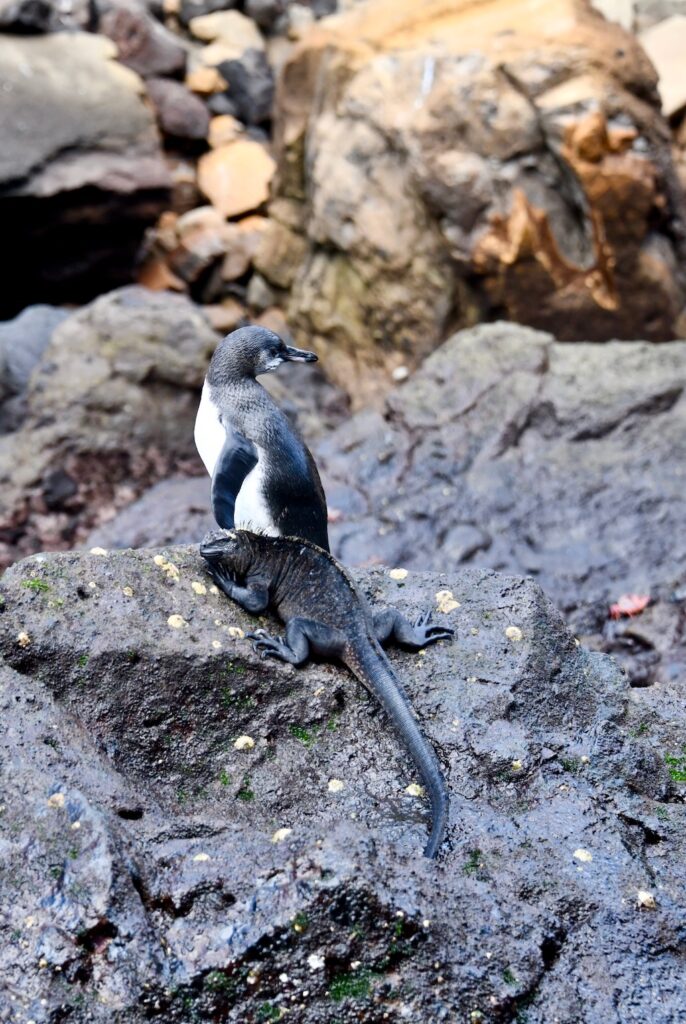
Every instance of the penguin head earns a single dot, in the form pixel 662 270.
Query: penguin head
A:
pixel 251 351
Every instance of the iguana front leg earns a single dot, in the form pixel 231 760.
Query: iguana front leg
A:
pixel 389 624
pixel 253 597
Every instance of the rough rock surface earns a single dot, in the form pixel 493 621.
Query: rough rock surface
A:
pixel 110 410
pixel 81 171
pixel 473 161
pixel 22 342
pixel 511 451
pixel 147 868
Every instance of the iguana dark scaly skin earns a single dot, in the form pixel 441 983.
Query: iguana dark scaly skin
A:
pixel 326 615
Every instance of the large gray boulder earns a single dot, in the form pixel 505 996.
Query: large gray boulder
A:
pixel 150 868
pixel 512 451
pixel 81 170
pixel 109 411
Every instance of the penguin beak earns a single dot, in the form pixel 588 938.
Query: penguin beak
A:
pixel 299 355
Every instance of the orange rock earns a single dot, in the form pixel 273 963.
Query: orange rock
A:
pixel 225 316
pixel 236 178
pixel 205 81
pixel 224 129
pixel 243 240
pixel 156 275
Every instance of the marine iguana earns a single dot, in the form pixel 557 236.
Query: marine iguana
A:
pixel 326 615
pixel 263 474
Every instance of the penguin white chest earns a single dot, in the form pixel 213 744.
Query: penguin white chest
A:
pixel 209 433
pixel 251 510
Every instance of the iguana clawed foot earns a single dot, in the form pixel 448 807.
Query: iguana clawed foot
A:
pixel 269 646
pixel 431 632
pixel 222 577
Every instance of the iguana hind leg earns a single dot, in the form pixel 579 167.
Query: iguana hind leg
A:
pixel 303 636
pixel 390 624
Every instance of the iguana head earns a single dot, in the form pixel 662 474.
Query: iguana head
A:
pixel 231 547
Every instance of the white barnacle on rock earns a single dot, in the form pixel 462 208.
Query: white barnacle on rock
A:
pixel 336 785
pixel 217 645
pixel 514 634
pixel 99 551
pixel 200 858
pixel 199 588
pixel 281 834
pixel 176 621
pixel 168 568
pixel 315 962
pixel 244 743
pixel 585 856
pixel 56 800
pixel 23 639
pixel 398 574
pixel 516 765
pixel 236 632
pixel 127 591
pixel 445 602
pixel 645 899
pixel 414 789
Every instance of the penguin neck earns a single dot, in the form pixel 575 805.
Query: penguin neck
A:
pixel 250 410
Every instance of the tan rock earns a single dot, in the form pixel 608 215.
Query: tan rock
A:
pixel 231 27
pixel 224 129
pixel 225 316
pixel 205 80
pixel 243 241
pixel 158 276
pixel 456 160
pixel 280 254
pixel 665 44
pixel 236 178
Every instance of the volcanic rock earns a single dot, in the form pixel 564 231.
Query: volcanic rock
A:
pixel 179 113
pixel 511 451
pixel 81 171
pixel 173 845
pixel 459 162
pixel 110 410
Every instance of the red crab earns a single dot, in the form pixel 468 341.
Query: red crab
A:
pixel 629 604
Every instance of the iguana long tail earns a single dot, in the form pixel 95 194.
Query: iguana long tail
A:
pixel 373 669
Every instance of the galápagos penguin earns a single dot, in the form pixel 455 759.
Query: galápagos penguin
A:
pixel 263 475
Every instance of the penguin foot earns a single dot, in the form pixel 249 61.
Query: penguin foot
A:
pixel 428 632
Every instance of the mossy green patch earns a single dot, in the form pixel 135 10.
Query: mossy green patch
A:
pixel 677 765
pixel 39 586
pixel 268 1011
pixel 355 985
pixel 245 793
pixel 473 862
pixel 306 737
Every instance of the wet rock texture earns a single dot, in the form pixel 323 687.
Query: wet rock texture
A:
pixel 512 451
pixel 155 869
pixel 109 410
pixel 474 161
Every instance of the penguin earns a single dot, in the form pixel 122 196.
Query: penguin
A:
pixel 263 475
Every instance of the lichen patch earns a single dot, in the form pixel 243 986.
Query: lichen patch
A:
pixel 414 789
pixel 336 785
pixel 199 588
pixel 23 639
pixel 281 834
pixel 200 858
pixel 398 574
pixel 244 743
pixel 127 591
pixel 56 800
pixel 445 602
pixel 514 634
pixel 99 551
pixel 236 632
pixel 176 621
pixel 585 856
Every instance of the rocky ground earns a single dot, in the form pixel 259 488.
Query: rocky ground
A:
pixel 369 177
pixel 155 868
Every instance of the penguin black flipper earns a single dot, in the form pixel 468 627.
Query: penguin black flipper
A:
pixel 303 515
pixel 238 457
